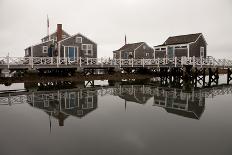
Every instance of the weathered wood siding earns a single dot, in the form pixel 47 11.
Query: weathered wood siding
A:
pixel 160 54
pixel 38 49
pixel 72 42
pixel 142 50
pixel 181 52
pixel 194 49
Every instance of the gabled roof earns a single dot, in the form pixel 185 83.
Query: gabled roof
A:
pixel 130 47
pixel 78 34
pixel 54 33
pixel 181 39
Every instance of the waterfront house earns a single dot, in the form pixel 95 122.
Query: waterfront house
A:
pixel 134 50
pixel 61 44
pixel 184 45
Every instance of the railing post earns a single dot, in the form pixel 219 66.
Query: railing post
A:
pixel 31 61
pixel 87 61
pixel 80 61
pixel 51 60
pixel 143 62
pixel 66 61
pixel 57 61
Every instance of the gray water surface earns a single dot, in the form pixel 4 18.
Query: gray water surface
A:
pixel 119 119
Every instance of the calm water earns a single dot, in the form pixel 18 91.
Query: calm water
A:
pixel 117 119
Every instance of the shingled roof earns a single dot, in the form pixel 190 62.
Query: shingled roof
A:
pixel 130 47
pixel 181 39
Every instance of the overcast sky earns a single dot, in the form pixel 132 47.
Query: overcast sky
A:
pixel 23 22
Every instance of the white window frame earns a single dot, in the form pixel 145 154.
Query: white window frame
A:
pixel 77 41
pixel 76 54
pixel 86 51
pixel 45 48
pixel 202 51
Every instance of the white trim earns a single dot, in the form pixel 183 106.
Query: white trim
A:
pixel 188 50
pixel 137 48
pixel 75 51
pixel 198 39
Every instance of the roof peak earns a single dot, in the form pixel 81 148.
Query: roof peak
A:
pixel 186 34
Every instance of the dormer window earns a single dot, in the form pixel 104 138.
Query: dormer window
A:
pixel 45 49
pixel 78 39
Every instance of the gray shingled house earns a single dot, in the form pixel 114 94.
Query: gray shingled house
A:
pixel 61 44
pixel 184 45
pixel 135 50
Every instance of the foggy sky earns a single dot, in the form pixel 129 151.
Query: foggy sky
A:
pixel 23 22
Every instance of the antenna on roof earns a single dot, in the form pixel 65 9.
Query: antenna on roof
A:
pixel 125 40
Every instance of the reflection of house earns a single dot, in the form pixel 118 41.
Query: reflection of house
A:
pixel 184 45
pixel 180 103
pixel 135 50
pixel 61 104
pixel 134 93
pixel 62 44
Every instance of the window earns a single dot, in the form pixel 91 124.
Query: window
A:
pixel 78 39
pixel 45 49
pixel 147 54
pixel 115 55
pixel 88 49
pixel 202 51
pixel 157 49
pixel 163 49
pixel 144 47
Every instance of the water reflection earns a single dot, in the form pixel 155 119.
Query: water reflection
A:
pixel 64 103
pixel 77 100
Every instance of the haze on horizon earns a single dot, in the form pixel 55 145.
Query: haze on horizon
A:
pixel 23 22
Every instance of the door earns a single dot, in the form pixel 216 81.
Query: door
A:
pixel 170 52
pixel 71 53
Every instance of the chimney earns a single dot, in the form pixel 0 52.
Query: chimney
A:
pixel 59 32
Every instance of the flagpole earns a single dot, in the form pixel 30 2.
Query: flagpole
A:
pixel 48 28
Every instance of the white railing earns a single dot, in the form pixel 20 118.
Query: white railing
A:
pixel 159 62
